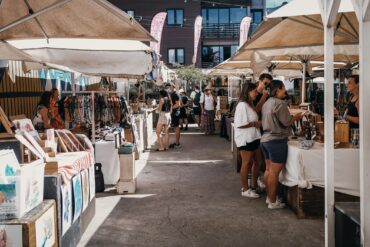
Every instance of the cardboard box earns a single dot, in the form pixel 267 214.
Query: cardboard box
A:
pixel 341 132
pixel 22 192
pixel 36 228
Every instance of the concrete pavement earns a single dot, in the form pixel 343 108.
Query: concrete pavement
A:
pixel 190 196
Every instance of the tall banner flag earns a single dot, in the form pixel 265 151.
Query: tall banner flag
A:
pixel 156 30
pixel 197 32
pixel 244 30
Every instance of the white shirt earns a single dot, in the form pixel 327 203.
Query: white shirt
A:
pixel 244 114
pixel 193 94
pixel 208 102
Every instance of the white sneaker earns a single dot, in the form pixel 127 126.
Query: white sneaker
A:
pixel 277 199
pixel 250 193
pixel 276 205
pixel 260 183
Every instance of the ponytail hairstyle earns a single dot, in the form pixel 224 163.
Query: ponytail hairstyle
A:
pixel 274 86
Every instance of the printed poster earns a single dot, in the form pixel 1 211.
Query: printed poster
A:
pixel 11 236
pixel 26 125
pixel 8 201
pixel 92 181
pixel 45 229
pixel 66 207
pixel 77 196
pixel 85 188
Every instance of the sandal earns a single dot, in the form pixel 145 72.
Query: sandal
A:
pixel 160 150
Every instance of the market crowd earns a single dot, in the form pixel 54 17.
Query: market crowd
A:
pixel 262 125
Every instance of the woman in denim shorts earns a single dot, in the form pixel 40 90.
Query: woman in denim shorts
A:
pixel 276 122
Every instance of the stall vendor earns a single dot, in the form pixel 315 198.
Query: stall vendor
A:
pixel 352 111
pixel 41 115
pixel 56 119
pixel 353 105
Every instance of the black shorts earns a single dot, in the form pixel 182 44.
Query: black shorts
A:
pixel 175 119
pixel 276 150
pixel 196 111
pixel 252 146
pixel 183 114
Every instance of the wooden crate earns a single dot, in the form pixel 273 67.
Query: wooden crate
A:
pixel 34 225
pixel 310 203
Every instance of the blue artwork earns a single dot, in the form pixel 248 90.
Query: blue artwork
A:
pixel 66 207
pixel 8 207
pixel 77 196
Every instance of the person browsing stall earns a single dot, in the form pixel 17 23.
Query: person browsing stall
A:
pixel 184 110
pixel 247 138
pixel 175 115
pixel 56 119
pixel 41 115
pixel 353 107
pixel 195 96
pixel 208 104
pixel 276 124
pixel 164 121
pixel 263 95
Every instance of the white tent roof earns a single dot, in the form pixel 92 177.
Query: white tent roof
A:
pixel 116 58
pixel 8 52
pixel 307 7
pixel 67 19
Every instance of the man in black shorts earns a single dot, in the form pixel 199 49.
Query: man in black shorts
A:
pixel 175 114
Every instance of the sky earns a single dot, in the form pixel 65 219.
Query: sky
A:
pixel 275 3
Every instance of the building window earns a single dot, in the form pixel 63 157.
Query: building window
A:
pixel 131 13
pixel 223 15
pixel 176 55
pixel 175 17
pixel 213 55
pixel 257 16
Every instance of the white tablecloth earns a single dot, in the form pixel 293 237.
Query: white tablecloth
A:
pixel 306 168
pixel 107 155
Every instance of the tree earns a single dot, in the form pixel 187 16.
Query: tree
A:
pixel 189 73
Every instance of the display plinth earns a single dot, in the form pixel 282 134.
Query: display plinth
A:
pixel 127 182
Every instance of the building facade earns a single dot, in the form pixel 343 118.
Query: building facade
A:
pixel 220 26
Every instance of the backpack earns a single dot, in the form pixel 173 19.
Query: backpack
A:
pixel 197 99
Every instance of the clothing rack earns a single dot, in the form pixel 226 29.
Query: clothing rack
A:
pixel 92 94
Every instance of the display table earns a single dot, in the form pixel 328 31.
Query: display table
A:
pixel 69 164
pixel 107 155
pixel 305 168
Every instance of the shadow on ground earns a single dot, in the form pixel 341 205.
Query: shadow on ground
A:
pixel 191 197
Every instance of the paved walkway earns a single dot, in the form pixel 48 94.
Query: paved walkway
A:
pixel 191 197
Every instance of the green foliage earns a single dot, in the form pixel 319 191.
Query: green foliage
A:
pixel 189 73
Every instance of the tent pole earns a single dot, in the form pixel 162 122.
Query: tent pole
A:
pixel 303 96
pixel 329 10
pixel 364 131
pixel 73 81
pixel 93 117
pixel 37 13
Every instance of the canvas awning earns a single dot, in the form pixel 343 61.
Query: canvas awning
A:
pixel 95 19
pixel 8 52
pixel 115 58
pixel 299 35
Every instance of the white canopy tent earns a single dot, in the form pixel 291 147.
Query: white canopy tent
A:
pixel 340 31
pixel 115 58
pixel 289 34
pixel 96 19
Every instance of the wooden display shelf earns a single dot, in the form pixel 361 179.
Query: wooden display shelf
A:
pixel 310 203
pixel 30 231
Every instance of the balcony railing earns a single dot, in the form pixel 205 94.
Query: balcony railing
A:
pixel 221 31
